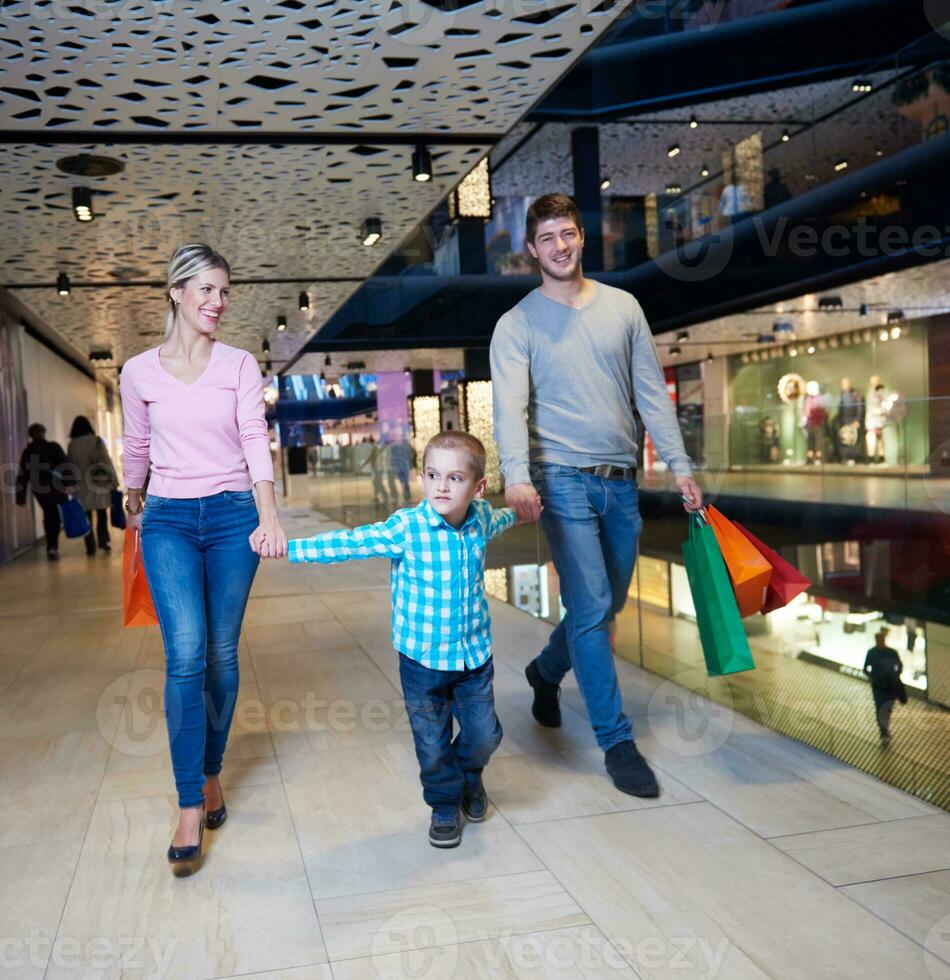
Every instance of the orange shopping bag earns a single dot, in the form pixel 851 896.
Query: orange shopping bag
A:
pixel 137 602
pixel 749 571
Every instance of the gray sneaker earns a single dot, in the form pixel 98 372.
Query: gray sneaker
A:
pixel 445 834
pixel 475 803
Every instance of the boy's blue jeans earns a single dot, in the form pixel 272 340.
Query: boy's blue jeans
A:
pixel 433 698
pixel 200 568
pixel 592 526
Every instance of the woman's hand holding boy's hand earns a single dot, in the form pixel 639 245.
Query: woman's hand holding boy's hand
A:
pixel 269 539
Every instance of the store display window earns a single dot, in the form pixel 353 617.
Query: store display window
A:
pixel 854 399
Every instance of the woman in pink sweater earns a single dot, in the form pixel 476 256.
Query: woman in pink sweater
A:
pixel 194 424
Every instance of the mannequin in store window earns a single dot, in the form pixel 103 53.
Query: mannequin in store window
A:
pixel 875 420
pixel 814 419
pixel 848 424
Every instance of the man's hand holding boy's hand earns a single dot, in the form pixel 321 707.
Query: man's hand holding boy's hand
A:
pixel 525 501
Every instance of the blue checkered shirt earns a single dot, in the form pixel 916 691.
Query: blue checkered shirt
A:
pixel 440 613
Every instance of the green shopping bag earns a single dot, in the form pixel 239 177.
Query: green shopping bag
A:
pixel 725 645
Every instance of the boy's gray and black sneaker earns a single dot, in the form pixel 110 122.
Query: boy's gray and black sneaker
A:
pixel 629 771
pixel 445 833
pixel 475 802
pixel 546 707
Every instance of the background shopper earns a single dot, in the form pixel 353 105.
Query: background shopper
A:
pixel 883 666
pixel 568 364
pixel 43 470
pixel 96 479
pixel 194 414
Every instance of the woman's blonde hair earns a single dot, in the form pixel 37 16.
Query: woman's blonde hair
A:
pixel 188 261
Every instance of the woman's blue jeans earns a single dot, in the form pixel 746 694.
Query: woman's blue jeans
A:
pixel 200 568
pixel 592 526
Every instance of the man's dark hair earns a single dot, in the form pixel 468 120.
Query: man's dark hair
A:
pixel 547 207
pixel 81 427
pixel 37 431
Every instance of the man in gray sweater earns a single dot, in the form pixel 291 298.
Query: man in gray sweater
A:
pixel 568 364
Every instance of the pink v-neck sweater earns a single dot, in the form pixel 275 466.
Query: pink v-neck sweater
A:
pixel 201 438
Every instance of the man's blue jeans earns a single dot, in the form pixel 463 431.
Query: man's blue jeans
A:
pixel 433 697
pixel 592 526
pixel 200 568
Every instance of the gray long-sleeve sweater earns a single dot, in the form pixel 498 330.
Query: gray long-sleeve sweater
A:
pixel 565 381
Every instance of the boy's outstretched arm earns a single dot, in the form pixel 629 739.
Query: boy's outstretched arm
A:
pixel 501 520
pixel 383 540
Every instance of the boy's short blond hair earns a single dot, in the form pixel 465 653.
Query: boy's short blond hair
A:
pixel 464 442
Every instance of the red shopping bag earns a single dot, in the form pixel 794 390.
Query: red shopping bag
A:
pixel 786 582
pixel 749 571
pixel 137 605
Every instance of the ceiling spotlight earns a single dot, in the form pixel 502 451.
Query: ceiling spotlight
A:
pixel 830 303
pixel 674 189
pixel 765 338
pixel 673 151
pixel 371 231
pixel 605 183
pixel 62 284
pixel 811 348
pixel 406 370
pixel 281 323
pixel 692 122
pixel 100 355
pixel 326 361
pixel 895 333
pixel 709 356
pixel 863 309
pixel 841 165
pixel 744 358
pixel 846 340
pixel 783 326
pixel 894 315
pixel 675 351
pixel 862 85
pixel 268 367
pixel 884 335
pixel 786 135
pixel 303 302
pixel 793 352
pixel 265 347
pixel 421 164
pixel 82 204
pixel 754 356
pixel 323 377
pixel 704 171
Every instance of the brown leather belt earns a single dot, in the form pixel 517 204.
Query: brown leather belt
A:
pixel 606 471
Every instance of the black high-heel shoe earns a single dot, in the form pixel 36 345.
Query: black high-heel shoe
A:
pixel 214 818
pixel 187 858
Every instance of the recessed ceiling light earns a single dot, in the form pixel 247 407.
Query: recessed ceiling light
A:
pixel 605 183
pixel 673 151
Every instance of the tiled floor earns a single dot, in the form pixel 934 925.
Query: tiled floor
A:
pixel 762 858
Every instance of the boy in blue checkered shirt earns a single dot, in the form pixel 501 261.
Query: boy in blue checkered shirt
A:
pixel 441 626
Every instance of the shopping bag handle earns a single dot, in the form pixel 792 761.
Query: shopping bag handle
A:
pixel 700 514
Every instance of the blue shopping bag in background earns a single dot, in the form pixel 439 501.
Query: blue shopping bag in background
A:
pixel 117 511
pixel 75 522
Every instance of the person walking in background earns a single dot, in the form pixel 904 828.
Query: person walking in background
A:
pixel 883 666
pixel 43 470
pixel 568 364
pixel 194 418
pixel 96 479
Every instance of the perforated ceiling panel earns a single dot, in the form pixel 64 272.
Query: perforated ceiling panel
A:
pixel 397 67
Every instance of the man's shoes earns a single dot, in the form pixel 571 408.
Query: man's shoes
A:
pixel 475 803
pixel 106 546
pixel 444 833
pixel 547 696
pixel 629 771
pixel 52 555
